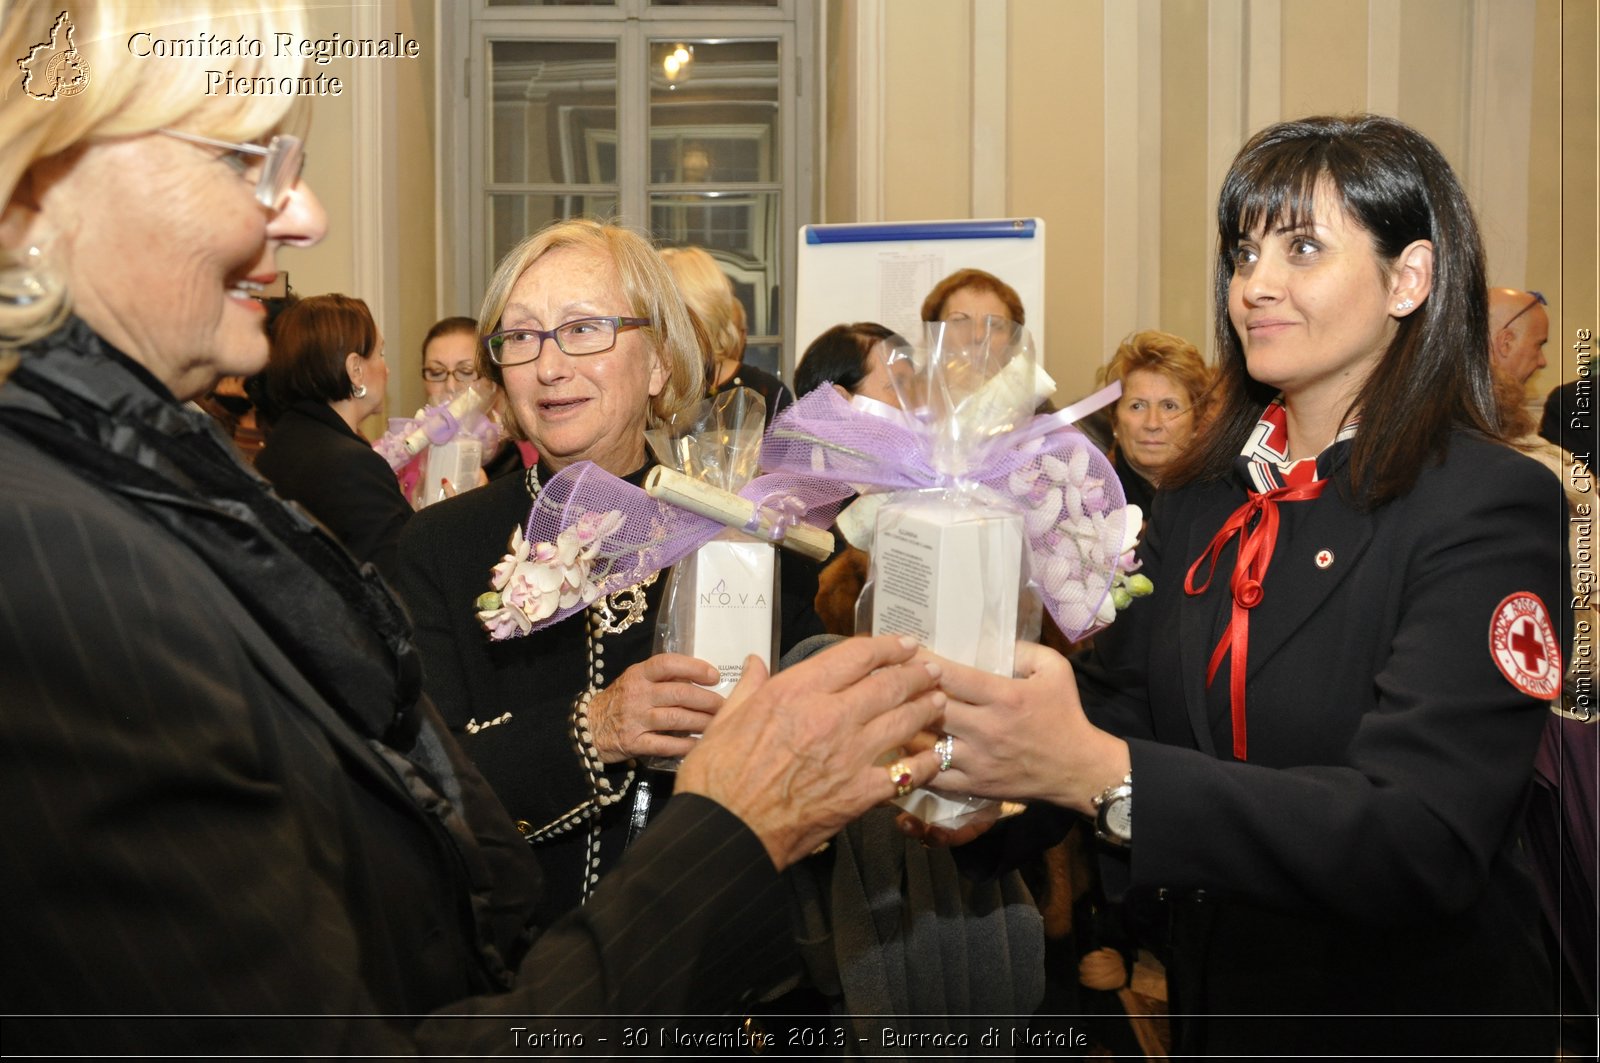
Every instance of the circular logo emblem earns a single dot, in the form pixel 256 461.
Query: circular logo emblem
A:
pixel 68 72
pixel 1524 647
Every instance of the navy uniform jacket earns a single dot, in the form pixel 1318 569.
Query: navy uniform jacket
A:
pixel 1365 858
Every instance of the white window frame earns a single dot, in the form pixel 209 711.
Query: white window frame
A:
pixel 465 33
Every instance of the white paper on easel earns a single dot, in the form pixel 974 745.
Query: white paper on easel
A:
pixel 734 598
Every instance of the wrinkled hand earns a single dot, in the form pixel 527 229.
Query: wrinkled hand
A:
pixel 653 708
pixel 792 755
pixel 1024 738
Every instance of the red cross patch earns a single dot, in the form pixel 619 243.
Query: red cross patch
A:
pixel 1524 647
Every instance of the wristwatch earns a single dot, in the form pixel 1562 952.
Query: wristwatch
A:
pixel 1113 813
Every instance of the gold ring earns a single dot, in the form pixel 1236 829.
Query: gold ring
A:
pixel 900 775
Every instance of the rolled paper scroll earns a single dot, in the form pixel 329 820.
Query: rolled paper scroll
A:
pixel 730 509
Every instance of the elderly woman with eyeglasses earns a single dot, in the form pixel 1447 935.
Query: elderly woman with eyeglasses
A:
pixel 222 792
pixel 585 331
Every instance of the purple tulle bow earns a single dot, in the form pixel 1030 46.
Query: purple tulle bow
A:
pixel 440 426
pixel 590 534
pixel 1070 498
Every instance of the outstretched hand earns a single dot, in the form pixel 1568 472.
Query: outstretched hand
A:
pixel 793 755
pixel 1024 738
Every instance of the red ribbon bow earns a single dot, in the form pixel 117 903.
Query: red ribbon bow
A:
pixel 1249 569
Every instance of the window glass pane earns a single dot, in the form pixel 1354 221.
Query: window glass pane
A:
pixel 554 118
pixel 764 356
pixel 714 3
pixel 552 3
pixel 713 111
pixel 740 230
pixel 512 217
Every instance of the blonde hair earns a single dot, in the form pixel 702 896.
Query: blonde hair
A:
pixel 128 95
pixel 709 294
pixel 1172 356
pixel 648 287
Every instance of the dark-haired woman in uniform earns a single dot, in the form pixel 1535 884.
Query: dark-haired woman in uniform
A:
pixel 1330 706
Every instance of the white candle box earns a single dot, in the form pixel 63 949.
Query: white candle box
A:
pixel 735 594
pixel 949 573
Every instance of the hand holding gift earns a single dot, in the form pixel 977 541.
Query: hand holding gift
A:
pixel 982 507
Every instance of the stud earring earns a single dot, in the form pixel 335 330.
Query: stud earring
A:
pixel 359 391
pixel 1403 305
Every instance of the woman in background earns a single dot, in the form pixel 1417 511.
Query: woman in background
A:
pixel 710 297
pixel 449 366
pixel 449 358
pixel 853 358
pixel 327 375
pixel 968 296
pixel 1164 386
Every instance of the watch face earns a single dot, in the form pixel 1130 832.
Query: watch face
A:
pixel 1119 817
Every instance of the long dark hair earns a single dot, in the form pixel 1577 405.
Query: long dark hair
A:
pixel 1434 377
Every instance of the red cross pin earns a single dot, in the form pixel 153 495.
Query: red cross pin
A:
pixel 1324 558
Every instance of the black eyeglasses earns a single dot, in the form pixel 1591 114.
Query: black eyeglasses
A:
pixel 589 335
pixel 466 374
pixel 1538 300
pixel 285 158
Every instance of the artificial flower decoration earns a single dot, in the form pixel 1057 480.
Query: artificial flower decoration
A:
pixel 533 580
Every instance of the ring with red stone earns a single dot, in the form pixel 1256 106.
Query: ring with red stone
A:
pixel 900 775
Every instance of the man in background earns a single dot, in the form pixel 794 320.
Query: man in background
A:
pixel 1518 329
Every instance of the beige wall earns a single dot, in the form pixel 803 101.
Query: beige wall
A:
pixel 1480 77
pixel 1057 169
pixel 927 107
pixel 1207 73
pixel 370 158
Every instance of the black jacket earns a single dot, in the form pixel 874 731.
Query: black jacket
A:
pixel 312 457
pixel 1358 885
pixel 221 795
pixel 510 703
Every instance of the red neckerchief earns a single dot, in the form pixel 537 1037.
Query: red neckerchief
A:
pixel 1275 480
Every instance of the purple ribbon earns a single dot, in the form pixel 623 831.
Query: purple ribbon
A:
pixel 440 426
pixel 1070 498
pixel 653 534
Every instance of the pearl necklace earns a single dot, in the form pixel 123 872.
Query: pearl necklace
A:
pixel 611 615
